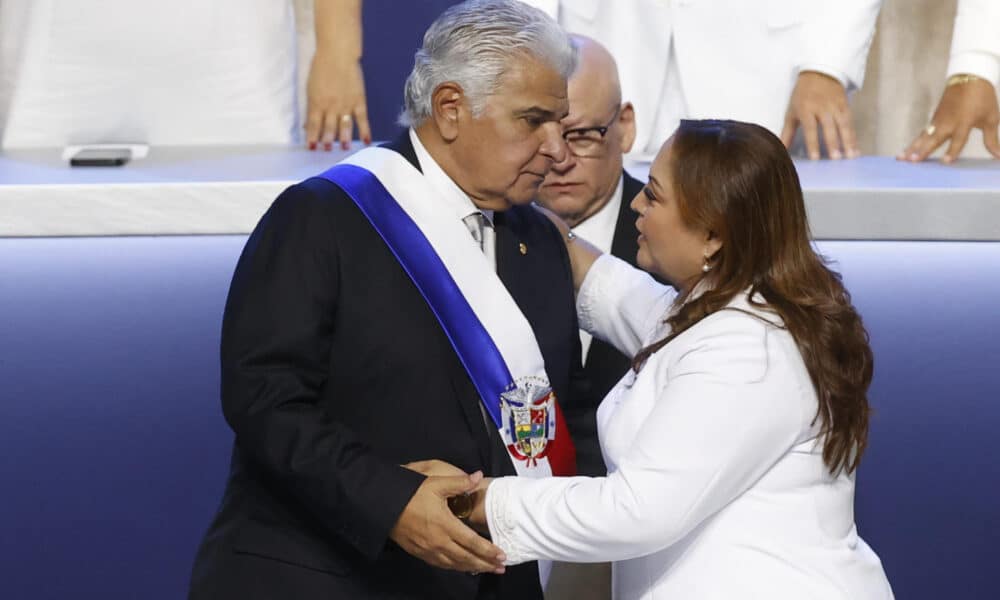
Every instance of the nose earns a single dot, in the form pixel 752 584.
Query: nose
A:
pixel 636 203
pixel 553 145
pixel 566 165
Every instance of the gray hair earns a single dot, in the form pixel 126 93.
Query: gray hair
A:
pixel 472 44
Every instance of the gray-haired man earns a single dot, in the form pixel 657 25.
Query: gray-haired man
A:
pixel 406 305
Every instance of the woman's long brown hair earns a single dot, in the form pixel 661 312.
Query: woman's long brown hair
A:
pixel 737 181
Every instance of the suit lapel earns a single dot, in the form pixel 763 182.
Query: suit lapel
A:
pixel 625 242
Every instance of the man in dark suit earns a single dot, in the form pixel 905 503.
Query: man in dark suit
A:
pixel 591 191
pixel 337 377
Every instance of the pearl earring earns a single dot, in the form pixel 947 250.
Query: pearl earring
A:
pixel 705 268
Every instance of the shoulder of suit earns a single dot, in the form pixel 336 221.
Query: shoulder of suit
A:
pixel 526 220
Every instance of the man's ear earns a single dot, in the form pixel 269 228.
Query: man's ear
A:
pixel 626 118
pixel 447 104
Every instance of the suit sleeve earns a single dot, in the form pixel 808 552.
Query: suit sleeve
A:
pixel 716 427
pixel 975 44
pixel 276 339
pixel 837 38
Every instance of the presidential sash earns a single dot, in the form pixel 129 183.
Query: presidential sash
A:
pixel 492 338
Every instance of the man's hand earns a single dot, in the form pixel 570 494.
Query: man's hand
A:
pixel 336 101
pixel 435 468
pixel 820 101
pixel 429 531
pixel 962 107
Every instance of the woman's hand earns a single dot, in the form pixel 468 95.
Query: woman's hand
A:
pixel 582 253
pixel 477 518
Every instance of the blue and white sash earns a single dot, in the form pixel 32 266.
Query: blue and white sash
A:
pixel 489 333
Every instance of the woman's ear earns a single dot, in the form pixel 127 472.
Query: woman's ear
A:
pixel 447 104
pixel 713 244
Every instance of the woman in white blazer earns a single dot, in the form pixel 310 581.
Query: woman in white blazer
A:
pixel 732 446
pixel 780 63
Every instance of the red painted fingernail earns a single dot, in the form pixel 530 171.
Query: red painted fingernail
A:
pixel 312 145
pixel 328 146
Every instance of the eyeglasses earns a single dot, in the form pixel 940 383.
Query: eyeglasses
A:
pixel 588 142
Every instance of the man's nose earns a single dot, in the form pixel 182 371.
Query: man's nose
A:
pixel 553 145
pixel 566 165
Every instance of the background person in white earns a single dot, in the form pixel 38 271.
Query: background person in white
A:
pixel 783 64
pixel 184 72
pixel 731 452
pixel 969 100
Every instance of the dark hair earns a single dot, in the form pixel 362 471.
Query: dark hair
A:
pixel 739 183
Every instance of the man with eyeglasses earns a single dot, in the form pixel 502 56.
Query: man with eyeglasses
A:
pixel 591 191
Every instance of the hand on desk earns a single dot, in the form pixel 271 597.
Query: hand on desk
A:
pixel 819 102
pixel 963 106
pixel 336 101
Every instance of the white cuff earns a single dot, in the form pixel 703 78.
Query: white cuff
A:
pixel 980 64
pixel 831 72
pixel 500 519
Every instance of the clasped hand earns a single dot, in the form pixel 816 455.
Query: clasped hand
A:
pixel 428 530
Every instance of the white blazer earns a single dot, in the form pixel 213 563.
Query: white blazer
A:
pixel 736 59
pixel 975 43
pixel 716 486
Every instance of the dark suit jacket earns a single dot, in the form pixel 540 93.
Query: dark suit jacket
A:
pixel 334 372
pixel 604 365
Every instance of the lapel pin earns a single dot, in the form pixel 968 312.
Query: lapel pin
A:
pixel 523 248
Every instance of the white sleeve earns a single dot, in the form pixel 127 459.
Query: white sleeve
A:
pixel 975 43
pixel 621 304
pixel 837 38
pixel 717 426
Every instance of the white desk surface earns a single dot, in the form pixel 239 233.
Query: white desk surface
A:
pixel 225 190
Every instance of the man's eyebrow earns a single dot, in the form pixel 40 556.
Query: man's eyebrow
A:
pixel 542 113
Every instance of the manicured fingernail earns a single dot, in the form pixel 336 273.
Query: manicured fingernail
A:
pixel 368 141
pixel 813 156
pixel 854 153
pixel 836 155
pixel 912 156
pixel 312 145
pixel 328 146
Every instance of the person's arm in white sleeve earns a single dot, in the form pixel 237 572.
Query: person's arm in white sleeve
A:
pixel 969 100
pixel 717 426
pixel 621 304
pixel 838 36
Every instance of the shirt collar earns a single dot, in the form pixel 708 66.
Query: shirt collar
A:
pixel 599 228
pixel 450 194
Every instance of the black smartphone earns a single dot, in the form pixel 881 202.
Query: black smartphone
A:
pixel 100 157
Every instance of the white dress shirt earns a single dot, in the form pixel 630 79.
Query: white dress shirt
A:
pixel 599 230
pixel 716 485
pixel 454 199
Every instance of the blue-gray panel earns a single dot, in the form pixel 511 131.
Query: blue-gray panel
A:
pixel 113 450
